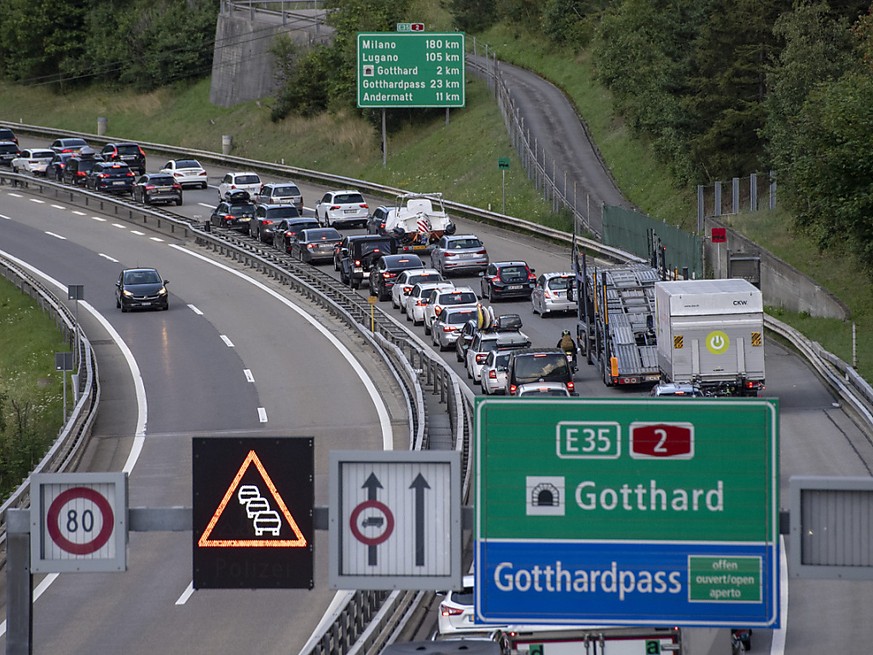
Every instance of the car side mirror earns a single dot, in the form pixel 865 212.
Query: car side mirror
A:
pixel 166 282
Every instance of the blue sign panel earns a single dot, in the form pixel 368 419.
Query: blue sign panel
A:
pixel 606 583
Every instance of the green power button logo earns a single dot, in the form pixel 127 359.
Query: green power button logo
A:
pixel 717 342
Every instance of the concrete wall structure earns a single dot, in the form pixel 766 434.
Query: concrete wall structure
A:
pixel 782 284
pixel 243 67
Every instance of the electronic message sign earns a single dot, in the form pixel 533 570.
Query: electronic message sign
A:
pixel 253 505
pixel 411 69
pixel 627 512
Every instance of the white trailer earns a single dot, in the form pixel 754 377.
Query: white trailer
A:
pixel 711 333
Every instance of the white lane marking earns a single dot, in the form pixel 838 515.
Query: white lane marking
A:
pixel 189 591
pixel 56 236
pixel 226 340
pixel 58 207
pixel 120 226
pixel 37 201
pixel 6 217
pixel 137 233
pixel 262 414
pixel 78 213
pixel 15 195
pixel 777 642
pixel 158 239
pixel 97 218
pixel 139 387
pixel 112 259
pixel 203 204
pixel 195 310
pixel 369 385
pixel 248 374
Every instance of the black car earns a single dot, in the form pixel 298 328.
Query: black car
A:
pixel 266 216
pixel 56 166
pixel 376 222
pixel 285 231
pixel 130 153
pixel 157 187
pixel 508 280
pixel 236 212
pixel 356 254
pixel 111 177
pixel 314 245
pixel 7 134
pixel 385 271
pixel 141 288
pixel 79 166
pixel 538 365
pixel 8 151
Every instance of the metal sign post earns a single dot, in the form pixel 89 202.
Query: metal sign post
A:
pixel 503 165
pixel 64 363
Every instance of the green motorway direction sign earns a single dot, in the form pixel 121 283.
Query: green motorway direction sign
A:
pixel 640 512
pixel 411 69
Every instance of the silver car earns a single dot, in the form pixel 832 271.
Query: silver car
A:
pixel 550 293
pixel 494 372
pixel 448 326
pixel 440 299
pixel 541 389
pixel 280 193
pixel 459 253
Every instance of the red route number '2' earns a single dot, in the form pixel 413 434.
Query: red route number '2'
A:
pixel 662 440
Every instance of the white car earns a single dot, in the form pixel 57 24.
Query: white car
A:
pixel 187 172
pixel 542 389
pixel 439 299
pixel 484 342
pixel 416 299
pixel 246 181
pixel 342 208
pixel 550 293
pixel 408 279
pixel 493 377
pixel 32 160
pixel 456 609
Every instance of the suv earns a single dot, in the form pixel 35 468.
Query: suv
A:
pixel 267 216
pixel 484 342
pixel 68 144
pixel 355 256
pixel 439 299
pixel 247 181
pixel 538 365
pixel 236 212
pixel 78 167
pixel 130 153
pixel 111 177
pixel 384 272
pixel 8 151
pixel 286 231
pixel 280 193
pixel 459 253
pixel 342 207
pixel 157 187
pixel 7 134
pixel 508 280
pixel 376 222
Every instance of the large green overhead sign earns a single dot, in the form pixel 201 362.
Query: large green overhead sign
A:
pixel 417 69
pixel 642 512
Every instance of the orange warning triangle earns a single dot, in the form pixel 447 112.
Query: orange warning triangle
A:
pixel 206 542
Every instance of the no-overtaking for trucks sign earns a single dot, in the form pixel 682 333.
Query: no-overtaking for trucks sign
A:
pixel 640 512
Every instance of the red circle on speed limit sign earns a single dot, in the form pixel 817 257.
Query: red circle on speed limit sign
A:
pixel 56 532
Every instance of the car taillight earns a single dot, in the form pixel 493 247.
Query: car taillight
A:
pixel 203 174
pixel 531 277
pixel 571 387
pixel 449 253
pixel 141 151
pixel 150 187
pixel 312 246
pixel 406 290
pixel 387 275
pixel 482 252
pixel 334 208
pixel 492 374
pixel 103 176
pixel 447 610
pixel 449 328
pixel 481 357
pixel 547 294
pixel 421 302
pixel 267 221
pixel 177 186
pixel 512 389
pixel 438 311
pixel 229 217
pixel 81 174
pixel 289 234
pixel 129 174
pixel 365 205
pixel 357 262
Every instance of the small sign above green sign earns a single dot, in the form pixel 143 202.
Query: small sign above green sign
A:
pixel 503 163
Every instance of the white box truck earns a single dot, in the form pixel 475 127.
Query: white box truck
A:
pixel 710 333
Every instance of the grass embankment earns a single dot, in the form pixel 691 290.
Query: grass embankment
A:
pixel 459 159
pixel 31 391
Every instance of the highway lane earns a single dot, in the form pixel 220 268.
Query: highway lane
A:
pixel 817 438
pixel 195 385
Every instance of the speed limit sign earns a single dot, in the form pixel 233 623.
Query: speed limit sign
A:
pixel 78 522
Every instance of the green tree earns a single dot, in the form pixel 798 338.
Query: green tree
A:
pixel 572 22
pixel 472 15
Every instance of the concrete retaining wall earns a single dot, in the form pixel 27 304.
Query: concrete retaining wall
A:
pixel 782 284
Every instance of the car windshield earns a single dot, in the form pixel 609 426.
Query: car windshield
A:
pixel 458 318
pixel 423 277
pixel 559 283
pixel 42 154
pixel 368 247
pixel 289 211
pixel 508 273
pixel 548 391
pixel 160 179
pixel 188 163
pixel 461 244
pixel 8 147
pixel 348 198
pixel 500 361
pixel 457 298
pixel 247 179
pixel 286 191
pixel 324 234
pixel 546 366
pixel 128 149
pixel 141 277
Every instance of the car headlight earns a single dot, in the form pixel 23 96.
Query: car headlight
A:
pixel 127 294
pixel 162 291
